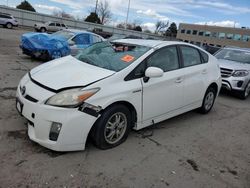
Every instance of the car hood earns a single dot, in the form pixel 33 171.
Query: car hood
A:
pixel 233 65
pixel 43 41
pixel 67 72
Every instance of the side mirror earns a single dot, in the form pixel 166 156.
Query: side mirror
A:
pixel 153 72
pixel 71 43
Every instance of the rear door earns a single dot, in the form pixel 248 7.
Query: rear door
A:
pixel 51 27
pixel 165 94
pixel 195 75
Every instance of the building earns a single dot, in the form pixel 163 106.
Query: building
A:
pixel 213 35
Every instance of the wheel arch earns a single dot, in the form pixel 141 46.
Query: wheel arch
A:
pixel 122 102
pixel 214 86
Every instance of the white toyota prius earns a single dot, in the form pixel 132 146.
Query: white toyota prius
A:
pixel 110 88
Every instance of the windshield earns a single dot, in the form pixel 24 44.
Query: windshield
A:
pixel 65 34
pixel 111 56
pixel 234 55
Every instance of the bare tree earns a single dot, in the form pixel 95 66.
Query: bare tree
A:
pixel 62 14
pixel 160 25
pixel 104 12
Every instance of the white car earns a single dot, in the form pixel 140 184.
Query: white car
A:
pixel 110 88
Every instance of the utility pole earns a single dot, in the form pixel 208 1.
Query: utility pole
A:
pixel 127 14
pixel 96 4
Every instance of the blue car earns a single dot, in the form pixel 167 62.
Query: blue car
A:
pixel 51 46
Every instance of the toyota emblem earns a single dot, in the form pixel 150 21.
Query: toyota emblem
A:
pixel 23 89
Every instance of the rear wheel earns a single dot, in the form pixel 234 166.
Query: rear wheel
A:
pixel 113 127
pixel 244 94
pixel 9 25
pixel 208 100
pixel 56 54
pixel 43 29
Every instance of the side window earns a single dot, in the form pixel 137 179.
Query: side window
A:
pixel 96 39
pixel 204 57
pixel 82 39
pixel 166 59
pixel 52 24
pixel 190 56
pixel 63 25
pixel 58 25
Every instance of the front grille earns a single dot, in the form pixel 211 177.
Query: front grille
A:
pixel 225 73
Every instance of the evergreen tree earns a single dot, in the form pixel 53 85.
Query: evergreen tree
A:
pixel 25 5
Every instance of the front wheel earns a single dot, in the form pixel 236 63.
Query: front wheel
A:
pixel 208 100
pixel 56 54
pixel 9 25
pixel 113 127
pixel 244 94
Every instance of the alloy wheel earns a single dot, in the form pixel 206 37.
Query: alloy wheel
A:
pixel 115 128
pixel 209 100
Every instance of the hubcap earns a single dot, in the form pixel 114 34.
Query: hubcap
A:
pixel 8 25
pixel 209 100
pixel 247 90
pixel 115 128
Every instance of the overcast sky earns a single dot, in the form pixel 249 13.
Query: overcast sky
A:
pixel 220 12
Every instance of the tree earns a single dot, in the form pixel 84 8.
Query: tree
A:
pixel 172 30
pixel 93 17
pixel 160 25
pixel 25 5
pixel 103 11
pixel 62 14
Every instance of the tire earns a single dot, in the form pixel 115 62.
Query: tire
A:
pixel 244 94
pixel 9 25
pixel 108 132
pixel 208 101
pixel 56 54
pixel 43 29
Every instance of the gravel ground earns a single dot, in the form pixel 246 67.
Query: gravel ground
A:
pixel 191 150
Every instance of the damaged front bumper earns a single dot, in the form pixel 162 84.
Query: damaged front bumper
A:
pixel 75 122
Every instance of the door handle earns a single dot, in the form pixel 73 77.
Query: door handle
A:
pixel 178 80
pixel 204 71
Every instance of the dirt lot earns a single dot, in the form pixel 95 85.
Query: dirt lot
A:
pixel 191 150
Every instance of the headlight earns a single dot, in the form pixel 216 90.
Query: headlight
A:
pixel 71 98
pixel 240 73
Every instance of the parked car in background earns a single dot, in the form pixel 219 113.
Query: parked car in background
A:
pixel 8 21
pixel 49 26
pixel 51 46
pixel 109 88
pixel 235 70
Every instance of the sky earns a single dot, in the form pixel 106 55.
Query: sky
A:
pixel 229 13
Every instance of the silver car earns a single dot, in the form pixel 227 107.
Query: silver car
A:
pixel 7 20
pixel 235 70
pixel 49 26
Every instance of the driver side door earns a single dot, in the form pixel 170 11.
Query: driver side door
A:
pixel 163 95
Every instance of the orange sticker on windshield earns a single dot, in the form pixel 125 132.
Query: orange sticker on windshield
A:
pixel 127 58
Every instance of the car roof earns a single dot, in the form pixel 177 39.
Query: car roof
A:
pixel 149 43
